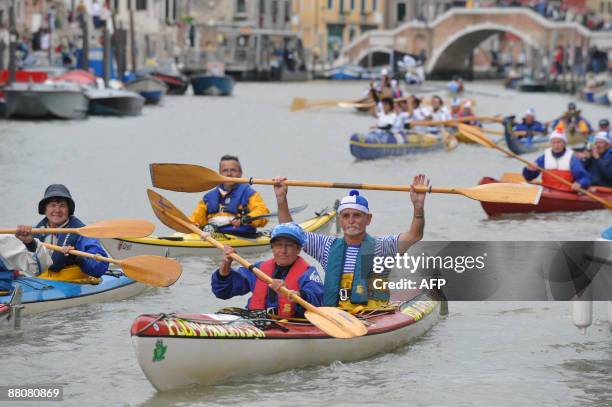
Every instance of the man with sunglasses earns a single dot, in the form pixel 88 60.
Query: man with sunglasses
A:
pixel 286 268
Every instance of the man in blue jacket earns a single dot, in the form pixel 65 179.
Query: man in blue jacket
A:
pixel 598 161
pixel 58 207
pixel 286 268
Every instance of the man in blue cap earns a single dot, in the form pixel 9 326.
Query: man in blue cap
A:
pixel 58 207
pixel 286 268
pixel 348 260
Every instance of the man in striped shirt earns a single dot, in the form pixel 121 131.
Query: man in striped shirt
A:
pixel 348 260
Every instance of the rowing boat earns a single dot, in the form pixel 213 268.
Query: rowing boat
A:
pixel 525 145
pixel 381 143
pixel 42 295
pixel 181 244
pixel 552 200
pixel 178 350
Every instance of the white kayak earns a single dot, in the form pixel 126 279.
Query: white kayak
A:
pixel 177 351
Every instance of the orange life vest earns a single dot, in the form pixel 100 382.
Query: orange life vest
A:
pixel 286 308
pixel 559 166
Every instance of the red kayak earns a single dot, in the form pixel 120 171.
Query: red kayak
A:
pixel 552 200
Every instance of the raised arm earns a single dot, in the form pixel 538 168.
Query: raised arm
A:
pixel 280 190
pixel 415 232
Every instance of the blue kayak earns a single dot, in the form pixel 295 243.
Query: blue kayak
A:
pixel 212 85
pixel 41 295
pixel 381 143
pixel 607 234
pixel 535 143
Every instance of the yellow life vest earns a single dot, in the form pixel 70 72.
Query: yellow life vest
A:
pixel 70 274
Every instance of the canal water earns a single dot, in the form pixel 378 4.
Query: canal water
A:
pixel 490 353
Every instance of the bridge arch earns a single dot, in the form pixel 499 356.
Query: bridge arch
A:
pixel 453 54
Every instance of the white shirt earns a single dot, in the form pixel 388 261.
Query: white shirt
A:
pixel 384 119
pixel 15 256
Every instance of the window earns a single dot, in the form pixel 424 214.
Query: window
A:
pixel 363 6
pixel 330 4
pixel 352 4
pixel 274 10
pixel 240 6
pixel 262 7
pixel 401 11
pixel 287 11
pixel 374 5
pixel 341 6
pixel 116 5
pixel 141 4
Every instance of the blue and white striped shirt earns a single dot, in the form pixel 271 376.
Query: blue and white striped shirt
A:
pixel 317 246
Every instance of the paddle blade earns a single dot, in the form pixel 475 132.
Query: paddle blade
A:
pixel 153 270
pixel 336 323
pixel 474 134
pixel 505 193
pixel 166 212
pixel 184 177
pixel 298 104
pixel 118 228
pixel 513 177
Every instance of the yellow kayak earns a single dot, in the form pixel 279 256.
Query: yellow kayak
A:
pixel 182 244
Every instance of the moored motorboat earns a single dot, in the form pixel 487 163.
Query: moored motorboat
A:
pixel 551 200
pixel 206 84
pixel 178 351
pixel 176 84
pixel 149 87
pixel 525 145
pixel 42 295
pixel 62 100
pixel 381 143
pixel 114 102
pixel 180 244
pixel 607 234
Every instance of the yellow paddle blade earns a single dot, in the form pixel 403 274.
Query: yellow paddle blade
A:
pixel 153 270
pixel 513 177
pixel 474 134
pixel 163 207
pixel 184 177
pixel 118 228
pixel 336 323
pixel 505 193
pixel 298 104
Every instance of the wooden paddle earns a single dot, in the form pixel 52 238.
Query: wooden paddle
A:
pixel 153 270
pixel 454 122
pixel 301 103
pixel 513 177
pixel 104 229
pixel 292 211
pixel 476 135
pixel 194 178
pixel 332 321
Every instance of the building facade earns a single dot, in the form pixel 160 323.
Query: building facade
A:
pixel 325 26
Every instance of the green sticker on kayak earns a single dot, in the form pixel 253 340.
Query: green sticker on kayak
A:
pixel 159 353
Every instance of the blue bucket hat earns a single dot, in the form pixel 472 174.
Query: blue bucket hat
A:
pixel 291 231
pixel 54 191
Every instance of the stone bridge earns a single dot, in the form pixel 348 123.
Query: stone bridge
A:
pixel 450 39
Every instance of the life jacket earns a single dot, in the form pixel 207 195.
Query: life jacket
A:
pixel 234 203
pixel 559 166
pixel 63 239
pixel 361 279
pixel 286 308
